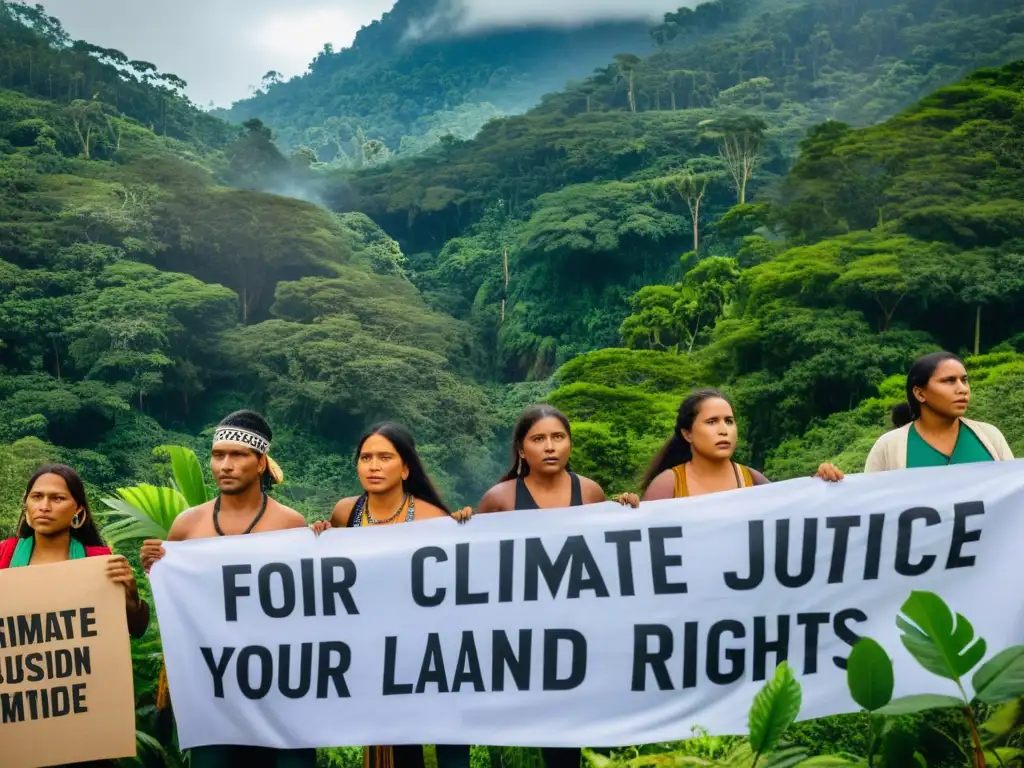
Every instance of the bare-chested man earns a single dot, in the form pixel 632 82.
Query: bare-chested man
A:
pixel 244 473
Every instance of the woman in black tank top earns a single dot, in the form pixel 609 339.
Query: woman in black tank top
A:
pixel 540 478
pixel 524 499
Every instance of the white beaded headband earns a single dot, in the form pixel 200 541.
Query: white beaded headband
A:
pixel 244 437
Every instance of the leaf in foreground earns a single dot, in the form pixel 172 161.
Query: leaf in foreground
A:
pixel 775 708
pixel 1003 719
pixel 943 642
pixel 188 474
pixel 1001 678
pixel 869 675
pixel 921 702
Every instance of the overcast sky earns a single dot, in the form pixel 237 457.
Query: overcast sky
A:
pixel 222 47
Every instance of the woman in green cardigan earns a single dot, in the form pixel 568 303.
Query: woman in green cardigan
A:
pixel 931 430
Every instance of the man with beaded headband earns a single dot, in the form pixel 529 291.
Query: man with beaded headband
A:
pixel 244 473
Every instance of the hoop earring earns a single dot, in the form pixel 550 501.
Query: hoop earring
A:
pixel 77 521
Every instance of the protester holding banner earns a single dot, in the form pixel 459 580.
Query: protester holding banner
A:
pixel 56 526
pixel 930 427
pixel 697 458
pixel 244 473
pixel 540 478
pixel 393 478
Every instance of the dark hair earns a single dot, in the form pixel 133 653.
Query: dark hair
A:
pixel 919 375
pixel 248 420
pixel 676 449
pixel 253 422
pixel 88 534
pixel 527 419
pixel 418 483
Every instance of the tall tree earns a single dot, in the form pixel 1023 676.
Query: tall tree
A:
pixel 740 143
pixel 626 64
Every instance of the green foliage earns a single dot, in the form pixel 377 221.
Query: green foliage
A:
pixel 42 60
pixel 1001 678
pixel 604 455
pixel 18 460
pixel 943 642
pixel 774 710
pixel 159 268
pixel 140 301
pixel 142 512
pixel 339 757
pixel 869 675
pixel 188 474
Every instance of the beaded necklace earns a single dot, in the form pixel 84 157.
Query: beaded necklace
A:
pixel 362 511
pixel 255 520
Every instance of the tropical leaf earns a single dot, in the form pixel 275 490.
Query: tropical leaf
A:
pixel 833 761
pixel 941 641
pixel 921 702
pixel 1003 720
pixel 1002 756
pixel 188 474
pixel 775 708
pixel 869 675
pixel 142 511
pixel 785 758
pixel 1001 678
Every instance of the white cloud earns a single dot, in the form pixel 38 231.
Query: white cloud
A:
pixel 470 15
pixel 500 13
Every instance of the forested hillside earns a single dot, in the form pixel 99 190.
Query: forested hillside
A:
pixel 598 191
pixel 141 298
pixel 151 283
pixel 39 58
pixel 406 82
pixel 789 200
pixel 881 243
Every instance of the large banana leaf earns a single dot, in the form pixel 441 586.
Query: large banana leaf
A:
pixel 142 512
pixel 188 474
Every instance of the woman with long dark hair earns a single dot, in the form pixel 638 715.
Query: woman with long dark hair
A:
pixel 396 489
pixel 930 427
pixel 396 486
pixel 57 525
pixel 540 478
pixel 697 458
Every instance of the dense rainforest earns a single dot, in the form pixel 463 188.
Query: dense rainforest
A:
pixel 788 200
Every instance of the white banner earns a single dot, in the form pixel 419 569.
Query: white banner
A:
pixel 598 625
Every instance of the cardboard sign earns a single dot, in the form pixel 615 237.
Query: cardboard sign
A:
pixel 66 692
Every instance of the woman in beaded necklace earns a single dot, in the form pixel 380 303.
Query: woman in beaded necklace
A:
pixel 396 489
